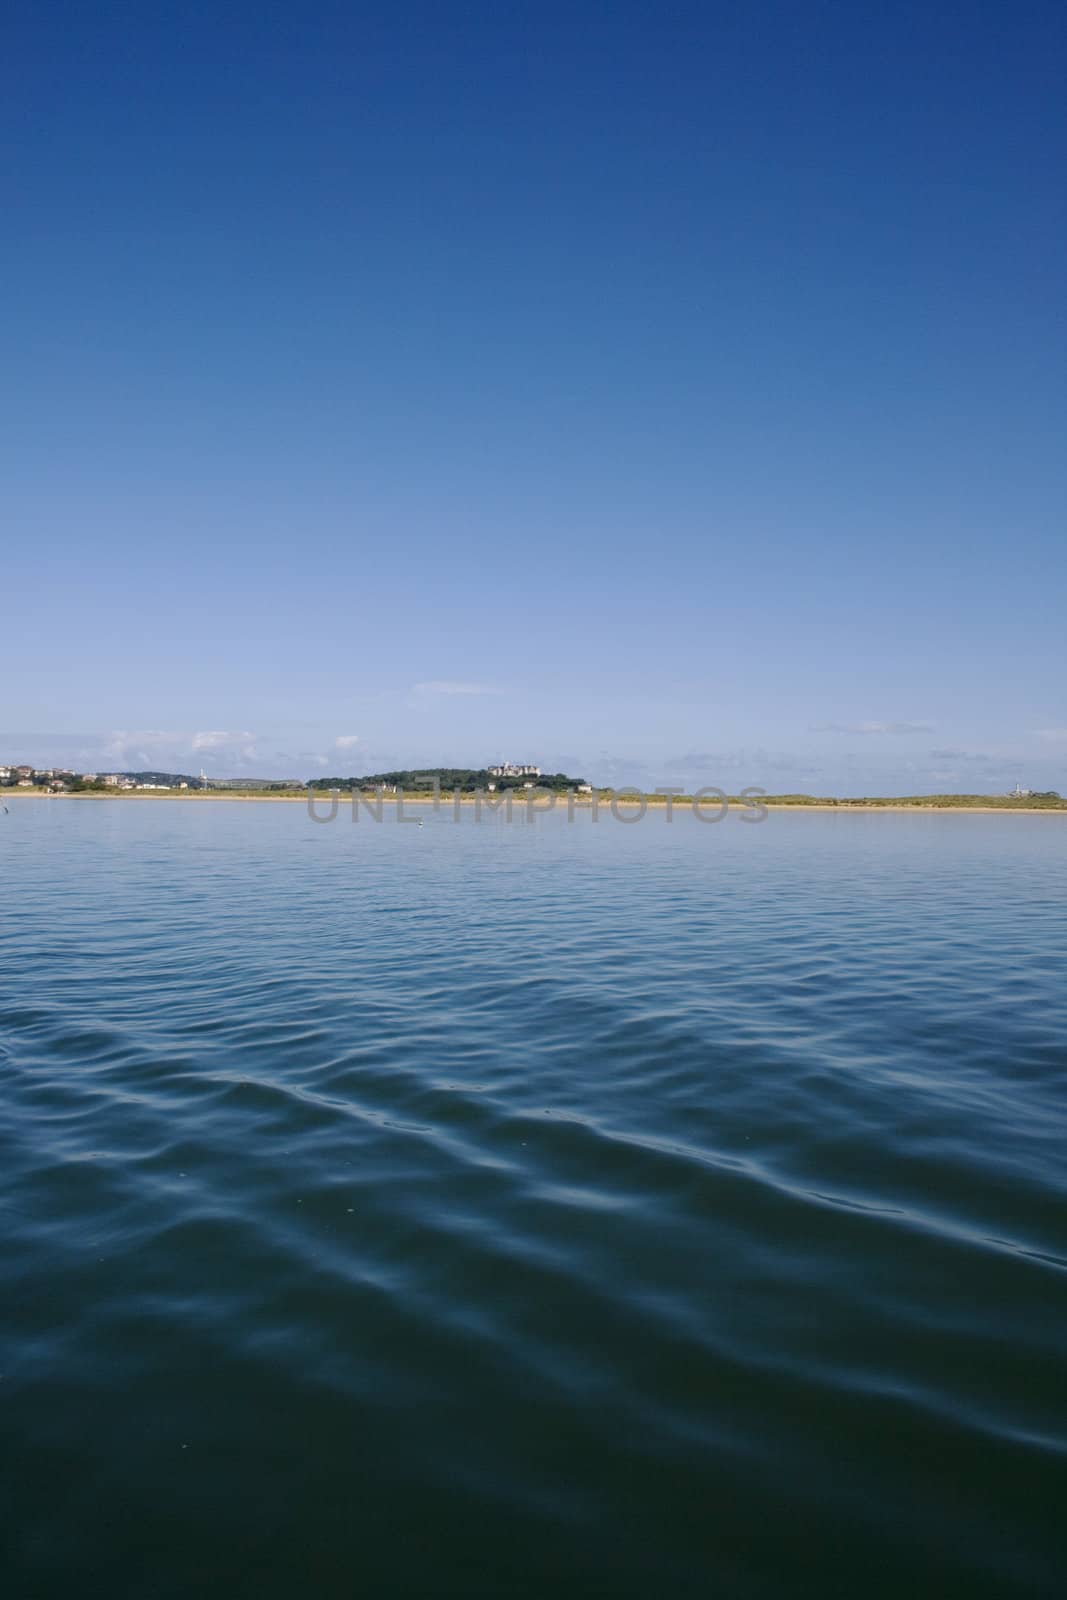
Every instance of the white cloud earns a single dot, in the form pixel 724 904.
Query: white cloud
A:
pixel 238 746
pixel 346 741
pixel 1052 735
pixel 167 750
pixel 448 686
pixel 119 744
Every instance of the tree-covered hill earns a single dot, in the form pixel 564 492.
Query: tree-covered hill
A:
pixel 465 779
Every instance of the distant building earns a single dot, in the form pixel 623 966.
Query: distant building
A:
pixel 1019 793
pixel 248 783
pixel 23 772
pixel 506 769
pixel 5 774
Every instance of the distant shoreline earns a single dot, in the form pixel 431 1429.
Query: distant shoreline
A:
pixel 625 801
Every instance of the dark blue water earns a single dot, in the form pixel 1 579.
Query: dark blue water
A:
pixel 574 1210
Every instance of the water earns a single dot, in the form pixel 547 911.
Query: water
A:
pixel 585 1210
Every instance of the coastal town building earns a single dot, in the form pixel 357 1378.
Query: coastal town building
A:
pixel 506 769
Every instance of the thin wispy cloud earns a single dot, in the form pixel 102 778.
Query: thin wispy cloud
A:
pixel 706 763
pixel 346 741
pixel 863 729
pixel 451 686
pixel 1052 735
pixel 981 758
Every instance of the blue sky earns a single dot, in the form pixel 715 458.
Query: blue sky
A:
pixel 666 392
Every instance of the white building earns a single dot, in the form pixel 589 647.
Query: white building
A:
pixel 507 770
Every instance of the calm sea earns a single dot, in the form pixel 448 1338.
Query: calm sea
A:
pixel 562 1210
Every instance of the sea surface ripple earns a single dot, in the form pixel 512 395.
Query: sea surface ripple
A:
pixel 524 1209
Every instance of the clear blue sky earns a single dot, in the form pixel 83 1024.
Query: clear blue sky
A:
pixel 673 392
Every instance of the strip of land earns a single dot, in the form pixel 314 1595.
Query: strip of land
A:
pixel 1028 806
